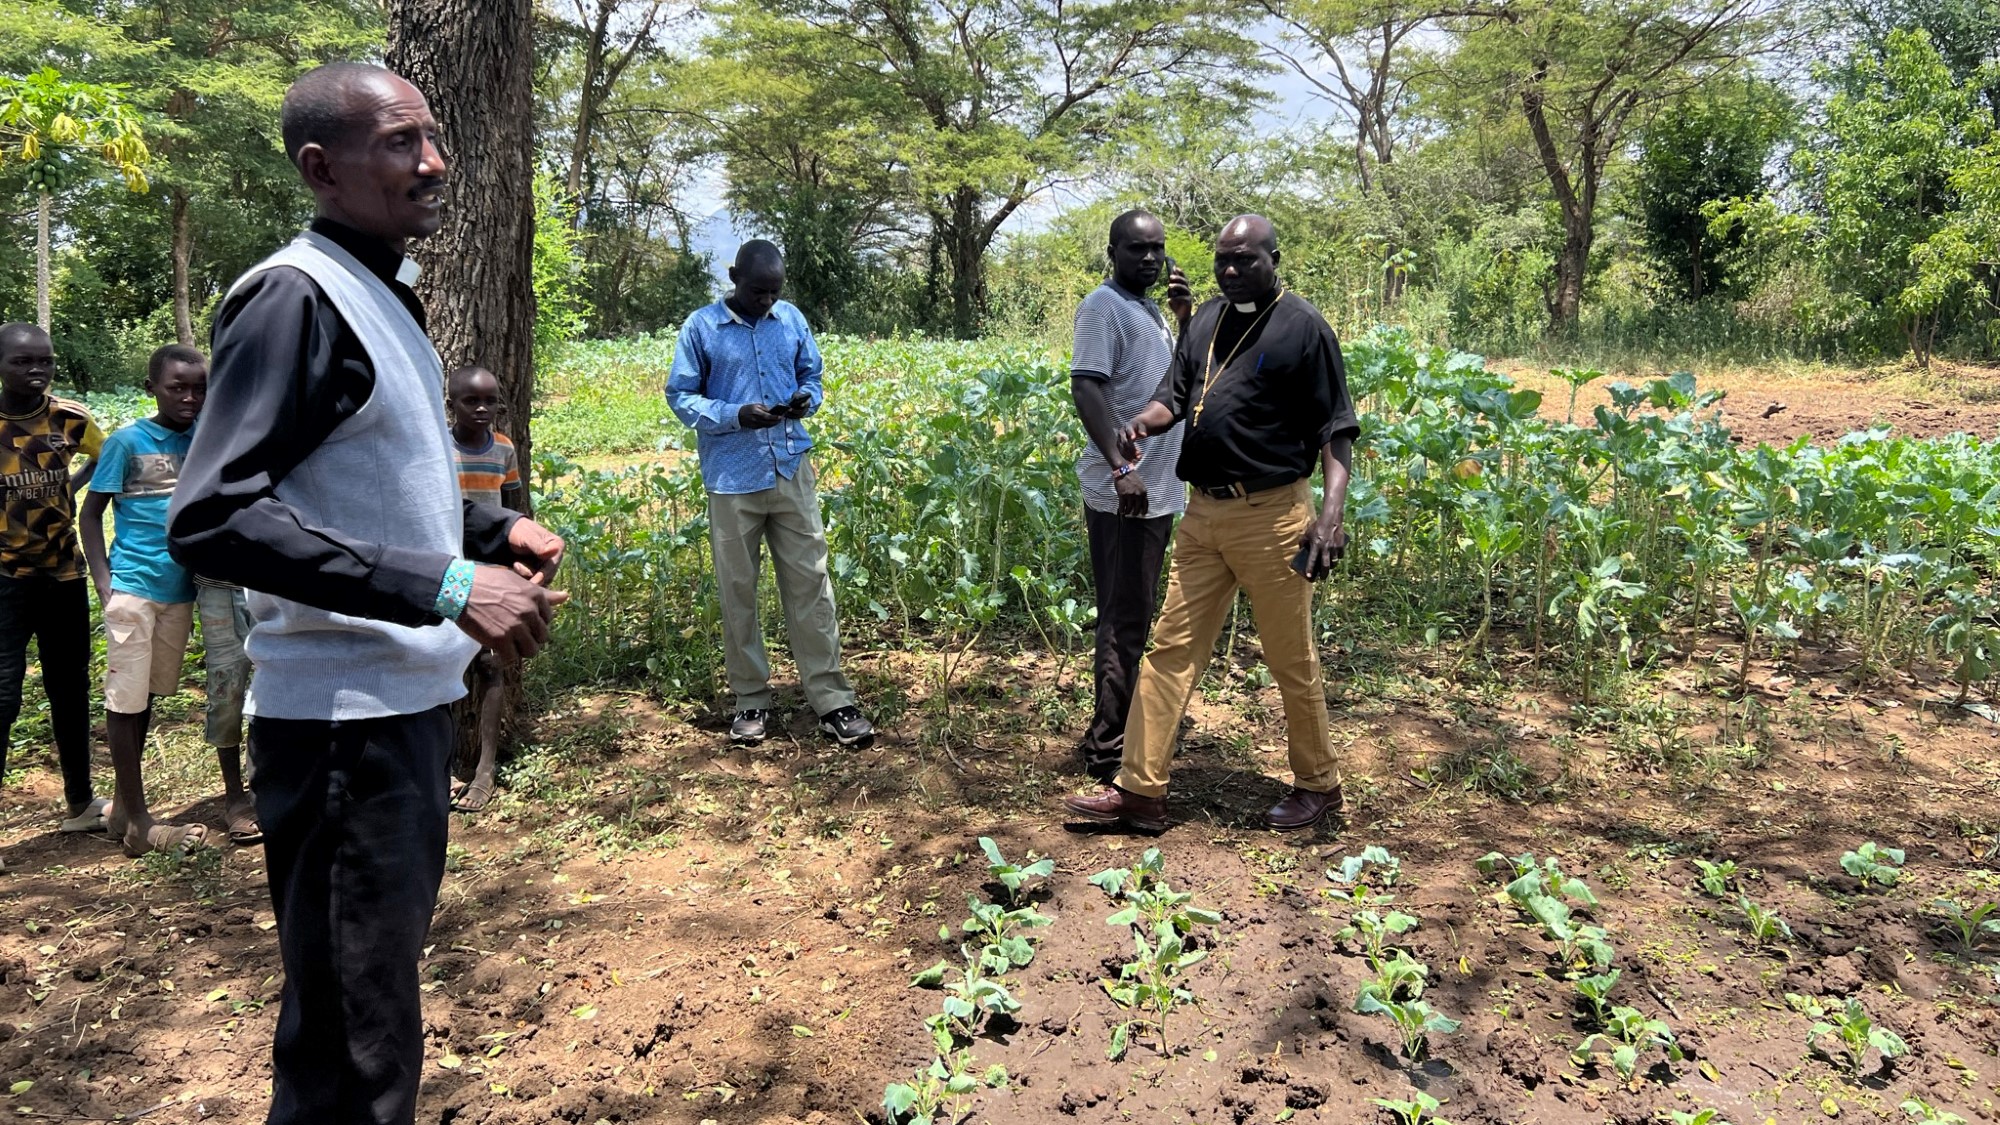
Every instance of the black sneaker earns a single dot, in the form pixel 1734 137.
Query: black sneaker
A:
pixel 847 726
pixel 750 725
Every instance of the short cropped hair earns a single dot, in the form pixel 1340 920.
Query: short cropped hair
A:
pixel 759 253
pixel 18 332
pixel 318 107
pixel 459 374
pixel 172 353
pixel 1121 227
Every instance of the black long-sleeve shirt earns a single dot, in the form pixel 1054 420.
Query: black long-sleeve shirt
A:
pixel 286 370
pixel 1262 392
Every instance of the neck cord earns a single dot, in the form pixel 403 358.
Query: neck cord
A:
pixel 1209 370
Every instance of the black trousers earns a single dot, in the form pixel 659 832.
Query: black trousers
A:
pixel 56 613
pixel 354 817
pixel 1125 559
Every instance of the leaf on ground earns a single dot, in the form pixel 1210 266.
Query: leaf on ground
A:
pixel 587 1011
pixel 449 1061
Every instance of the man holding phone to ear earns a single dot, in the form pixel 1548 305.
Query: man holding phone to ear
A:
pixel 1259 380
pixel 746 372
pixel 1122 350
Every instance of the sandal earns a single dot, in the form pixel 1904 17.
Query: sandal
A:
pixel 177 838
pixel 91 819
pixel 471 796
pixel 244 830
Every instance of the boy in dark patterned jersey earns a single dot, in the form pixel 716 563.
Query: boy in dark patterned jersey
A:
pixel 43 591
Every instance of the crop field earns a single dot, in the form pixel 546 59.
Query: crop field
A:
pixel 1673 778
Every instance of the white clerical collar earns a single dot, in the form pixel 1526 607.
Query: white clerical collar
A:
pixel 409 271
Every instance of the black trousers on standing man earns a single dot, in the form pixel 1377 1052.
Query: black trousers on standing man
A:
pixel 354 817
pixel 1126 556
pixel 56 613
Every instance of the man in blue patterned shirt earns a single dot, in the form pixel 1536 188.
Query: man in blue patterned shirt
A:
pixel 746 373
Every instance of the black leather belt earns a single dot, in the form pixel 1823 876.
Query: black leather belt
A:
pixel 1241 488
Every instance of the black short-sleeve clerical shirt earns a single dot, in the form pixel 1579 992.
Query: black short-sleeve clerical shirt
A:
pixel 1261 392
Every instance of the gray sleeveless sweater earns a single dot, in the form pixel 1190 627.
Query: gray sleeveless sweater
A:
pixel 385 475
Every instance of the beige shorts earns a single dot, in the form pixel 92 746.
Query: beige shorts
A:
pixel 145 642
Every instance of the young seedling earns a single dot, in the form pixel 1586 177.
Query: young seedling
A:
pixel 1716 877
pixel 1924 1113
pixel 1122 882
pixel 1628 1033
pixel 1969 926
pixel 1494 863
pixel 1577 944
pixel 1413 1018
pixel 1852 1027
pixel 1545 880
pixel 1765 925
pixel 994 928
pixel 974 996
pixel 938 1094
pixel 1011 876
pixel 1399 977
pixel 1150 900
pixel 1150 982
pixel 1698 1117
pixel 1416 1111
pixel 1873 864
pixel 1372 931
pixel 1382 871
pixel 1597 990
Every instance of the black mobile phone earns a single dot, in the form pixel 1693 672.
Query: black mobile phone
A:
pixel 1302 560
pixel 797 406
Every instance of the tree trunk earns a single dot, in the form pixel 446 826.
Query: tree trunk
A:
pixel 586 112
pixel 968 266
pixel 42 205
pixel 183 251
pixel 474 61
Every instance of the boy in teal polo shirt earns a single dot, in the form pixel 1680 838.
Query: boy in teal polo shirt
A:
pixel 148 598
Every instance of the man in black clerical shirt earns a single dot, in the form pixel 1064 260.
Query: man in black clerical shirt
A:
pixel 1258 378
pixel 322 480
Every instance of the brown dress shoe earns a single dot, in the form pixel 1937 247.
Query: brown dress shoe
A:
pixel 1112 805
pixel 1302 808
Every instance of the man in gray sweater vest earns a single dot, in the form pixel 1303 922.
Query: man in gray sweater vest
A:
pixel 322 480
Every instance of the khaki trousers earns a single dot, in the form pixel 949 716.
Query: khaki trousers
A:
pixel 788 517
pixel 1246 542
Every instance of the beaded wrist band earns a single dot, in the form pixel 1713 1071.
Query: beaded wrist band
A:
pixel 456 590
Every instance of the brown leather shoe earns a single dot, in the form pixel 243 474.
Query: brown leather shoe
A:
pixel 1112 805
pixel 1302 808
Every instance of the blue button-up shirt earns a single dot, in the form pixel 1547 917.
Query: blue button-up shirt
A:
pixel 723 363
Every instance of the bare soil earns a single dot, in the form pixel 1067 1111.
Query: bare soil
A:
pixel 648 925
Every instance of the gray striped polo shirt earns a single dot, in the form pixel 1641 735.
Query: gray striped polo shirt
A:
pixel 1122 338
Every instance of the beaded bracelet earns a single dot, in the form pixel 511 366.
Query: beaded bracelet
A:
pixel 456 590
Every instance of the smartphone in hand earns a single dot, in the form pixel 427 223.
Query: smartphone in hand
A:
pixel 796 408
pixel 1302 561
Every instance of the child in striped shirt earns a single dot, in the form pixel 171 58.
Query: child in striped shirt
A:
pixel 488 471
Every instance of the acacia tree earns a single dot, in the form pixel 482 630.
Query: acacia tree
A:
pixel 989 103
pixel 60 128
pixel 215 79
pixel 1583 74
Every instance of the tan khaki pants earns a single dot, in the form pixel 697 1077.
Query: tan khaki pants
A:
pixel 1247 542
pixel 786 517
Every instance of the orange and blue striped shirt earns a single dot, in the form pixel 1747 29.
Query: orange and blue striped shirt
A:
pixel 485 474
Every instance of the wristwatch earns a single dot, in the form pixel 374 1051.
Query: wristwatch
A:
pixel 1118 471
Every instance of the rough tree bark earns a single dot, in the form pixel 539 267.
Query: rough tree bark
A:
pixel 474 61
pixel 183 253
